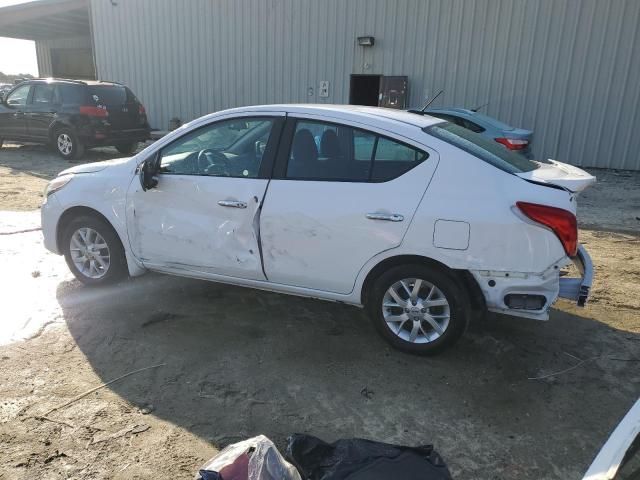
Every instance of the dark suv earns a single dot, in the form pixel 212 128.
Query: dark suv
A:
pixel 73 115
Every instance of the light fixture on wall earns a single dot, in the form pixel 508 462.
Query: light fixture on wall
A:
pixel 366 41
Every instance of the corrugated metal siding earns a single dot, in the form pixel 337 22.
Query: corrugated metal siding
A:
pixel 568 69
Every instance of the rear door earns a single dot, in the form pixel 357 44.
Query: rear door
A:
pixel 41 110
pixel 340 195
pixel 13 122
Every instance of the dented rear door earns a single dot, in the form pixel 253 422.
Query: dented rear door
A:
pixel 206 220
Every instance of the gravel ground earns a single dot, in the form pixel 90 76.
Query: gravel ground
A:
pixel 230 362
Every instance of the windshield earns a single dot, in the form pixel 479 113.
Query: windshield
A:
pixel 479 146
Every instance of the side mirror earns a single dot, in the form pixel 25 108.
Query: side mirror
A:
pixel 149 173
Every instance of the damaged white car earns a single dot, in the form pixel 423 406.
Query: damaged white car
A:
pixel 421 221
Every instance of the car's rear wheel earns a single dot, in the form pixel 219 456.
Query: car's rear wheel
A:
pixel 93 251
pixel 67 144
pixel 418 309
pixel 127 148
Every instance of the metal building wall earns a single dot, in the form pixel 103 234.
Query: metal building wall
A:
pixel 568 69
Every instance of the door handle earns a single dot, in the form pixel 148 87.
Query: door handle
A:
pixel 232 203
pixel 390 217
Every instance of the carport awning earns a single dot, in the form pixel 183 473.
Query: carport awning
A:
pixel 45 20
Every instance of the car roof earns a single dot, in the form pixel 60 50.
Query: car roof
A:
pixel 346 112
pixel 75 82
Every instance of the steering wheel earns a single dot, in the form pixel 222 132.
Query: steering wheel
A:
pixel 208 158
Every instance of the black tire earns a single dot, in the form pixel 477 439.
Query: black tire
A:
pixel 73 149
pixel 117 268
pixel 127 148
pixel 456 297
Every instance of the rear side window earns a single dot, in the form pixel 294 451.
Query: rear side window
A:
pixel 110 95
pixel 43 94
pixel 392 159
pixel 474 127
pixel 72 94
pixel 463 122
pixel 328 151
pixel 481 147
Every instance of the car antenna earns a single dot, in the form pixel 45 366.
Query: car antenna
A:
pixel 429 102
pixel 479 107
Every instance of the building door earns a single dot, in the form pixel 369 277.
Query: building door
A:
pixel 379 91
pixel 364 90
pixel 393 92
pixel 72 63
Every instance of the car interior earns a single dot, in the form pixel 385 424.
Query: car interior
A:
pixel 225 149
pixel 324 151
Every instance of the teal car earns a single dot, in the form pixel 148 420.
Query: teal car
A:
pixel 516 139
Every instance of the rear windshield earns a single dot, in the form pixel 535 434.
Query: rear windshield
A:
pixel 481 147
pixel 110 94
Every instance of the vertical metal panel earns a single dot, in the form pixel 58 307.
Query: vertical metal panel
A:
pixel 567 69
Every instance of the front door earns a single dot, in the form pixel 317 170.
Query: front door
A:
pixel 340 196
pixel 204 213
pixel 13 123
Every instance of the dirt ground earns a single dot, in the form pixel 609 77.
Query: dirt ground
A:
pixel 515 399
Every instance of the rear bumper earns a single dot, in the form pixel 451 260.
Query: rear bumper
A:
pixel 115 137
pixel 497 286
pixel 578 288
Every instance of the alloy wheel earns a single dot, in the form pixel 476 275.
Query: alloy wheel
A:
pixel 416 310
pixel 90 253
pixel 65 144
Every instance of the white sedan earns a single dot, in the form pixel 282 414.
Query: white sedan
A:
pixel 421 221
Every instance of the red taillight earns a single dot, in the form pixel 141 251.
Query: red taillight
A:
pixel 94 111
pixel 562 222
pixel 513 143
pixel 141 110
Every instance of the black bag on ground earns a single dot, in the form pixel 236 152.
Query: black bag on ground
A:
pixel 358 459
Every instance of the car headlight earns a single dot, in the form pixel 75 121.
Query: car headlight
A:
pixel 56 184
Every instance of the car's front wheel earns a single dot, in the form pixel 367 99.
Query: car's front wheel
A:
pixel 418 309
pixel 127 148
pixel 67 144
pixel 93 251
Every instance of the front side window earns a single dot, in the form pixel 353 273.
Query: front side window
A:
pixel 230 148
pixel 43 94
pixel 481 147
pixel 19 96
pixel 328 151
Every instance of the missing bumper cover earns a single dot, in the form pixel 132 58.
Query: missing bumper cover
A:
pixel 520 301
